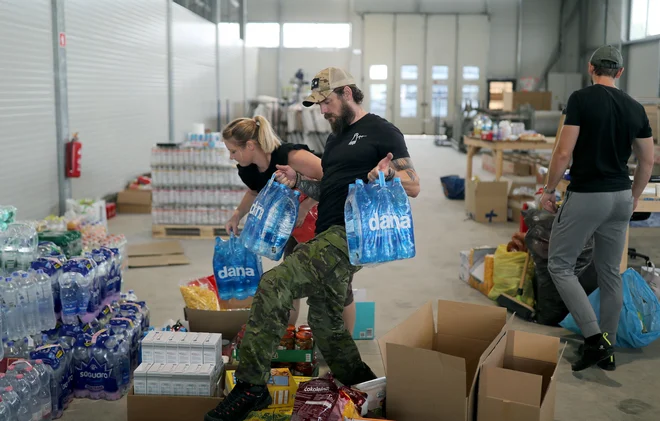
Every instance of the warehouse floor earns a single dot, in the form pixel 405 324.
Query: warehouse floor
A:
pixel 399 288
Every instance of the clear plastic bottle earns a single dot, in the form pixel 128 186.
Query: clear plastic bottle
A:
pixel 131 296
pixel 8 251
pixel 22 389
pixel 13 310
pixel 45 302
pixel 27 301
pixel 45 374
pixel 405 249
pixel 11 399
pixel 5 412
pixel 32 379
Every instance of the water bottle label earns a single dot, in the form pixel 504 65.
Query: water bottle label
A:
pixel 95 377
pixel 235 272
pixel 386 222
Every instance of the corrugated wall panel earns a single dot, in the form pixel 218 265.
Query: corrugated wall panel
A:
pixel 28 178
pixel 117 64
pixel 193 49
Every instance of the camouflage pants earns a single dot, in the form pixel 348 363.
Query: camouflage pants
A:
pixel 319 269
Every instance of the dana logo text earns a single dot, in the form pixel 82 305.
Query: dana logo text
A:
pixel 257 210
pixel 233 271
pixel 383 222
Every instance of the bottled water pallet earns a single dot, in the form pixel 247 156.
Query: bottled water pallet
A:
pixel 189 232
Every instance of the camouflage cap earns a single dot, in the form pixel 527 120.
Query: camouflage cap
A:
pixel 325 82
pixel 607 56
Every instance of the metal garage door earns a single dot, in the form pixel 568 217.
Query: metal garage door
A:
pixel 117 67
pixel 28 174
pixel 420 66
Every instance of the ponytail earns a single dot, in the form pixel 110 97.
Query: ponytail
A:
pixel 258 129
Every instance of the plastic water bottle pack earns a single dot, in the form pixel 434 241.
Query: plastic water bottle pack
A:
pixel 379 223
pixel 76 284
pixel 18 247
pixel 237 270
pixel 271 220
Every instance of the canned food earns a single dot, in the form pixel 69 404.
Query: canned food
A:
pixel 287 342
pixel 304 340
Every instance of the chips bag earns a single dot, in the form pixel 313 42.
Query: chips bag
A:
pixel 322 400
pixel 200 294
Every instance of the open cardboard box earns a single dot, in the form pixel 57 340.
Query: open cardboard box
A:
pixel 432 372
pixel 517 381
pixel 228 322
pixel 486 201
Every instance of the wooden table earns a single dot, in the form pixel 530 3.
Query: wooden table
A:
pixel 474 145
pixel 647 203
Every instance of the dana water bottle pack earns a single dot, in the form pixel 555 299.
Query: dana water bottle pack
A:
pixel 379 223
pixel 271 220
pixel 237 270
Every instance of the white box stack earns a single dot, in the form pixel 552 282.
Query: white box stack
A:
pixel 182 348
pixel 177 379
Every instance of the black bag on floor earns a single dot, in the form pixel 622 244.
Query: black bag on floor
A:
pixel 550 308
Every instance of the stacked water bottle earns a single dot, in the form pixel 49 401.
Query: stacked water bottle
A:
pixel 194 186
pixel 26 392
pixel 379 224
pixel 271 220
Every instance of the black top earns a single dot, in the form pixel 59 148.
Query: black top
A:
pixel 610 120
pixel 350 156
pixel 256 180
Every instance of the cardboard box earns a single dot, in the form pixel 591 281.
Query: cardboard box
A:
pixel 538 100
pixel 517 198
pixel 228 323
pixel 432 371
pixel 510 165
pixel 486 201
pixel 134 201
pixel 518 379
pixel 283 394
pixel 169 408
pixel 156 253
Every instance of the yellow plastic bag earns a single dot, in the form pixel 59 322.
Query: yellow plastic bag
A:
pixel 507 271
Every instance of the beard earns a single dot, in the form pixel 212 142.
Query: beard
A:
pixel 342 121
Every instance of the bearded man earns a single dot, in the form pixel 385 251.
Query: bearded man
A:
pixel 361 145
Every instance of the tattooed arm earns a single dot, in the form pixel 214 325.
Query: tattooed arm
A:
pixel 312 188
pixel 403 168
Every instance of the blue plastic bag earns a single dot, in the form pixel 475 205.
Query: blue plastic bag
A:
pixel 639 324
pixel 453 186
pixel 237 271
pixel 271 220
pixel 379 224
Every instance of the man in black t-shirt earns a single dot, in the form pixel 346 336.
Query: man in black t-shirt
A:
pixel 360 146
pixel 603 126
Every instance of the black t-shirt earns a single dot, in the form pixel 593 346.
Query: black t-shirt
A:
pixel 610 120
pixel 350 156
pixel 256 180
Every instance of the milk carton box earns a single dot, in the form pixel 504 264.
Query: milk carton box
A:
pixel 165 379
pixel 148 347
pixel 213 349
pixel 153 385
pixel 206 380
pixel 197 348
pixel 140 379
pixel 160 347
pixel 183 348
pixel 178 379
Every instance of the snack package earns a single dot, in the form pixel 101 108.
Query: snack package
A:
pixel 200 294
pixel 322 400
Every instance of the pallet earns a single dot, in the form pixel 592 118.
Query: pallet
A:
pixel 188 232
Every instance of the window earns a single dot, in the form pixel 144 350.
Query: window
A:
pixel 408 101
pixel 378 96
pixel 644 19
pixel 440 72
pixel 378 72
pixel 229 33
pixel 264 35
pixel 470 96
pixel 470 73
pixel 409 72
pixel 317 35
pixel 440 101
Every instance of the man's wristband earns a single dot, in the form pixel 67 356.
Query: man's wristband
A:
pixel 547 190
pixel 297 180
pixel 390 175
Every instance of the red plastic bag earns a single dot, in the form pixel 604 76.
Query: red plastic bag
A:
pixel 322 400
pixel 305 232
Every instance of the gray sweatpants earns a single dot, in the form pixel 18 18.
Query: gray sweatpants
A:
pixel 605 216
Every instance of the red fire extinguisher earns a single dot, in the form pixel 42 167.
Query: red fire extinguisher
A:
pixel 73 154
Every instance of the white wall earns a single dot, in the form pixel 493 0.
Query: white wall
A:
pixel 193 57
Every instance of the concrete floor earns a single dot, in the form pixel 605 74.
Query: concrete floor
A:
pixel 399 288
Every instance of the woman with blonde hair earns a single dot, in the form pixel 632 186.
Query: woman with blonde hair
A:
pixel 257 149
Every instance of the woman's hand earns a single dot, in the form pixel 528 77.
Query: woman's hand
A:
pixel 232 225
pixel 286 175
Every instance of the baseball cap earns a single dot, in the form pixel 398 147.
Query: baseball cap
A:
pixel 325 82
pixel 607 56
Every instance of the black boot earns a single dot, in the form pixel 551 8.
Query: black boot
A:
pixel 243 399
pixel 593 352
pixel 608 364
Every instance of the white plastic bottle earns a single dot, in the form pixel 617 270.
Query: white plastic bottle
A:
pixel 131 295
pixel 45 302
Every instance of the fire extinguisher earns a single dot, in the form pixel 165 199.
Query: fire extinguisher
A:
pixel 73 154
